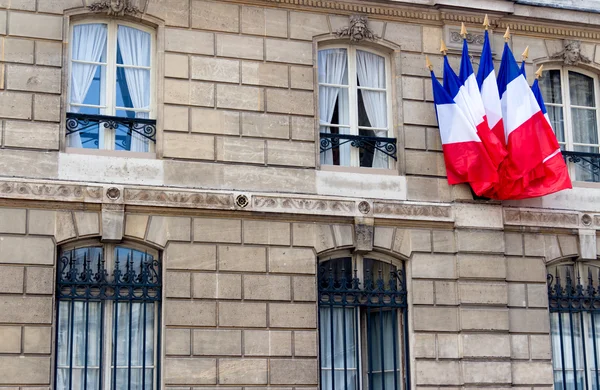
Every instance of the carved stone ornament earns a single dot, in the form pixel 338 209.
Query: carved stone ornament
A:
pixel 571 54
pixel 114 7
pixel 357 30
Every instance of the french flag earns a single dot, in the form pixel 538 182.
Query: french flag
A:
pixel 475 104
pixel 464 154
pixel 529 136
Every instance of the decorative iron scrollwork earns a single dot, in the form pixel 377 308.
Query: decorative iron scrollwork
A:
pixel 573 296
pixel 382 144
pixel 77 122
pixel 589 162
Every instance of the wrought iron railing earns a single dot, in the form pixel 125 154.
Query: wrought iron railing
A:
pixel 77 122
pixel 573 296
pixel 385 145
pixel 589 162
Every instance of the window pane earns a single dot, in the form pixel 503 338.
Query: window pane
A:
pixel 585 170
pixel 338 342
pixel 581 89
pixel 333 67
pixel 555 113
pixel 378 272
pixel 585 128
pixel 383 350
pixel 89 42
pixel 370 69
pixel 337 268
pixel 133 46
pixel 550 85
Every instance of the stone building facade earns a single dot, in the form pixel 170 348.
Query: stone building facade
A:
pixel 233 204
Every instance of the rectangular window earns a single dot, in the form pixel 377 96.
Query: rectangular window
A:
pixel 107 321
pixel 110 88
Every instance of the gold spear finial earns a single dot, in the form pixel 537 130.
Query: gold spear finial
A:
pixel 428 63
pixel 538 73
pixel 486 22
pixel 525 54
pixel 443 48
pixel 463 30
pixel 507 34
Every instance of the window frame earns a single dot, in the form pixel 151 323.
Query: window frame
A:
pixel 566 108
pixel 353 104
pixel 109 86
pixel 107 308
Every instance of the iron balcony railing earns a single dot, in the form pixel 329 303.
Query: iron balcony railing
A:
pixel 84 123
pixel 589 162
pixel 385 145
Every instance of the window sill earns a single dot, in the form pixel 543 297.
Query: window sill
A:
pixel 360 170
pixel 111 153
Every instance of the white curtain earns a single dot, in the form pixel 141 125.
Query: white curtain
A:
pixel 383 327
pixel 371 73
pixel 332 360
pixel 333 65
pixel 89 44
pixel 135 48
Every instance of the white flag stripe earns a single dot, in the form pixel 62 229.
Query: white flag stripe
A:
pixel 491 100
pixel 454 125
pixel 518 105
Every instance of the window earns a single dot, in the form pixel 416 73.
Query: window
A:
pixel 362 324
pixel 355 108
pixel 573 292
pixel 108 312
pixel 572 103
pixel 111 87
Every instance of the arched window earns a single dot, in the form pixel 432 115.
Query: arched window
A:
pixel 355 110
pixel 571 97
pixel 108 317
pixel 111 104
pixel 362 324
pixel 574 302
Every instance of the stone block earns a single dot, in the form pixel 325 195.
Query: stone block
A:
pixel 529 320
pixel 293 315
pixel 242 258
pixel 206 120
pixel 15 105
pixel 243 371
pixel 3 22
pixel 33 78
pixel 189 92
pixel 18 50
pixel 301 77
pixel 264 21
pixel 480 241
pixel 293 52
pixel 267 232
pixel 408 36
pixel 215 16
pixel 174 12
pixel 65 226
pixel 11 279
pixel 431 372
pixel 434 141
pixel 552 248
pixel 218 230
pixel 39 310
pixel 28 163
pixel 267 343
pixel 435 318
pixel 424 345
pixel 428 189
pixel 191 256
pixel 35 135
pixel 343 235
pixel 238 46
pixel 568 245
pixel 87 223
pixel 46 108
pixel 42 222
pixel 37 339
pixel 217 342
pixel 425 163
pixel 299 154
pixel 215 69
pixel 534 245
pixel 587 244
pixel 188 371
pixel 486 372
pixel 305 343
pixel 483 293
pixel 222 286
pixel 516 295
pixel 190 313
pixel 445 292
pixel 537 48
pixel 433 266
pixel 39 280
pixel 525 269
pixel 478 216
pixel 447 346
pixel 293 372
pixel 135 225
pixel 267 287
pixel 165 229
pixel 304 288
pixel 189 146
pixel 415 137
pixel 243 314
pixel 264 73
pixel 303 129
pixel 12 220
pixel 431 39
pixel 246 150
pixel 10 337
pixel 485 345
pixel 419 113
pixel 541 347
pixel 240 97
pixel 265 125
pixel 481 266
pixel 537 373
pixel 290 102
pixel 513 244
pixel 27 250
pixel 422 292
pixel 176 118
pixel 26 24
pixel 383 237
pixel 25 370
pixel 189 41
pixel 48 53
pixel 443 241
pixel 178 341
pixel 305 26
pixel 407 241
pixel 177 65
pixel 484 319
pixel 537 295
pixel 412 88
pixel 178 285
pixel 519 346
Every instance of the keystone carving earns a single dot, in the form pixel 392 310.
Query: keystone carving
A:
pixel 571 54
pixel 114 7
pixel 357 30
